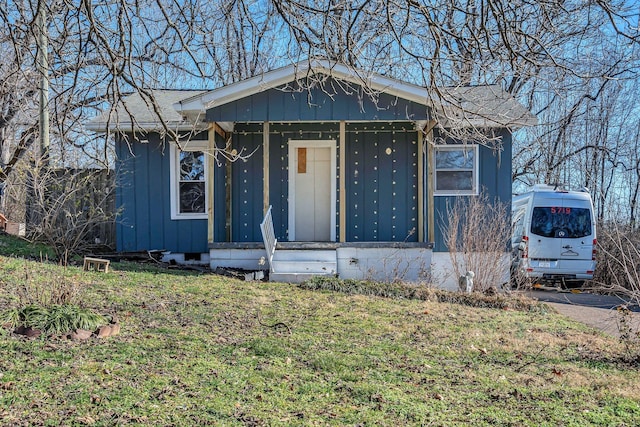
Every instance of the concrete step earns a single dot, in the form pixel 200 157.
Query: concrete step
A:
pixel 295 265
pixel 305 255
pixel 317 267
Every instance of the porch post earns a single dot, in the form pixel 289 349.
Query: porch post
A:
pixel 343 184
pixel 211 138
pixel 265 167
pixel 420 186
pixel 431 232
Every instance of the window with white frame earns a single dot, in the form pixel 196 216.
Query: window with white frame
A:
pixel 189 181
pixel 456 170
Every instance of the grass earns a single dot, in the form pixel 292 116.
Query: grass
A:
pixel 200 349
pixel 20 247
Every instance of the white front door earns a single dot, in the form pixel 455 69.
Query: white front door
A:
pixel 312 191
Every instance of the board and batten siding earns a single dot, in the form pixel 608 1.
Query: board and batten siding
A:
pixel 279 136
pixel 328 102
pixel 247 175
pixel 382 182
pixel 495 180
pixel 143 200
pixel 246 184
pixel 381 179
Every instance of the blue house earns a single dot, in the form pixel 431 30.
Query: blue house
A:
pixel 347 171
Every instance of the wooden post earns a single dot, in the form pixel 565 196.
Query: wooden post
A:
pixel 420 186
pixel 431 223
pixel 343 182
pixel 265 167
pixel 211 137
pixel 42 63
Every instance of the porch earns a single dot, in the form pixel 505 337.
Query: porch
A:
pixel 297 261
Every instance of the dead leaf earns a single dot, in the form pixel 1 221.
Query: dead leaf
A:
pixel 87 420
pixel 7 386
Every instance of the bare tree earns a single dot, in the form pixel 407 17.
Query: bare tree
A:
pixel 573 63
pixel 619 261
pixel 72 210
pixel 98 52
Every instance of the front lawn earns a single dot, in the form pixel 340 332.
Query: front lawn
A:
pixel 201 349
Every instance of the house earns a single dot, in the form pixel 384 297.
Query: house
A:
pixel 353 168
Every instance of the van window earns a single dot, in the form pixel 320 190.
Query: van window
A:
pixel 561 222
pixel 517 226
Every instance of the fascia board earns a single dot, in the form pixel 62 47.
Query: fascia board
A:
pixel 235 91
pixel 139 127
pixel 487 123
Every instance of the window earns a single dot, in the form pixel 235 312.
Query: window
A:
pixel 561 222
pixel 189 181
pixel 456 170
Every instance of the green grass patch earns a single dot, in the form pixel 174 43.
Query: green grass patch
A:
pixel 200 349
pixel 13 246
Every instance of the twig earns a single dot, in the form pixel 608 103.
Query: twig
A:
pixel 275 325
pixel 533 360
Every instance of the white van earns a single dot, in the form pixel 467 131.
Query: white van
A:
pixel 554 236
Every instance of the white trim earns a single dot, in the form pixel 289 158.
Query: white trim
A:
pixel 293 145
pixel 144 127
pixel 174 183
pixel 475 172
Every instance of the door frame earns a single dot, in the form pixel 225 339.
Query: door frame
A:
pixel 294 144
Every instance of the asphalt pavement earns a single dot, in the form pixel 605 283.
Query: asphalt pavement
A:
pixel 585 299
pixel 598 311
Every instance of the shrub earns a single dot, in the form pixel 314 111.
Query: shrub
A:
pixel 47 300
pixel 618 261
pixel 55 320
pixel 476 231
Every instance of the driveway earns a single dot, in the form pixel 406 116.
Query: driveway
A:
pixel 598 311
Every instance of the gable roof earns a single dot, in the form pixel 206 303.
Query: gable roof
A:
pixel 481 106
pixel 464 106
